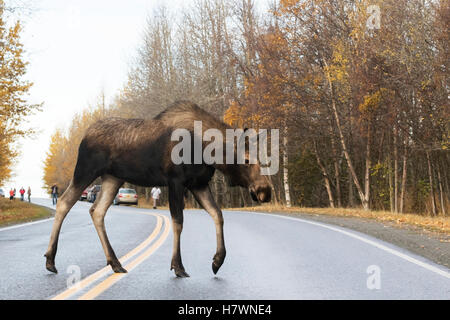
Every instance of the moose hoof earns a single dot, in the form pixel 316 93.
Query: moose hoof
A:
pixel 181 274
pixel 51 268
pixel 217 263
pixel 215 268
pixel 50 264
pixel 117 268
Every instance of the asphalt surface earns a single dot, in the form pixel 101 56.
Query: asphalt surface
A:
pixel 268 257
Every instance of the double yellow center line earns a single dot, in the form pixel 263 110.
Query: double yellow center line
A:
pixel 162 222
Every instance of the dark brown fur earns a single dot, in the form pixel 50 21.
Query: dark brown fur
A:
pixel 139 152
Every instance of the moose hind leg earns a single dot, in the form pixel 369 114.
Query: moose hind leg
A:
pixel 176 203
pixel 110 186
pixel 206 200
pixel 65 203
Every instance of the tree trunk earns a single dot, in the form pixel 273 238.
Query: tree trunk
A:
pixel 405 168
pixel 395 169
pixel 368 165
pixel 285 169
pixel 362 196
pixel 280 189
pixel 430 177
pixel 351 195
pixel 443 163
pixel 336 173
pixel 391 183
pixel 325 177
pixel 227 193
pixel 244 200
pixel 441 191
pixel 347 157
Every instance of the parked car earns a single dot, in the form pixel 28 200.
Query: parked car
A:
pixel 128 196
pixel 2 193
pixel 84 195
pixel 88 190
pixel 92 193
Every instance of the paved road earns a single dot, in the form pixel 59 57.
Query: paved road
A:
pixel 269 257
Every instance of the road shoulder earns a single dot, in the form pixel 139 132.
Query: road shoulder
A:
pixel 434 246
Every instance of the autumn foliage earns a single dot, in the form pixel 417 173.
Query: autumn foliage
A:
pixel 359 100
pixel 13 91
pixel 362 107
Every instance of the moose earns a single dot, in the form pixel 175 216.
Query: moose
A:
pixel 138 151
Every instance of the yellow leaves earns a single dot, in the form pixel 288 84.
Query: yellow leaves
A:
pixel 288 3
pixel 13 89
pixel 275 40
pixel 338 68
pixel 56 160
pixel 239 116
pixel 424 84
pixel 265 92
pixel 232 116
pixel 294 6
pixel 373 101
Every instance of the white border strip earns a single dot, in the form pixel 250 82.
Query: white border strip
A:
pixel 25 224
pixel 399 254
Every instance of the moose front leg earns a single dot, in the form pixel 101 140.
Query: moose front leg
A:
pixel 110 187
pixel 176 204
pixel 206 200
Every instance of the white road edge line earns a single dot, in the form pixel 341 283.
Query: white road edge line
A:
pixel 373 243
pixel 29 223
pixel 26 224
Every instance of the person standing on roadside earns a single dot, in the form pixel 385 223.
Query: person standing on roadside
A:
pixel 155 195
pixel 54 194
pixel 22 194
pixel 29 194
pixel 11 194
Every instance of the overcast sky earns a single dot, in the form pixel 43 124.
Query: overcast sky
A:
pixel 76 49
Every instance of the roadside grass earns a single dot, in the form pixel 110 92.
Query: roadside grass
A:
pixel 439 224
pixel 16 211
